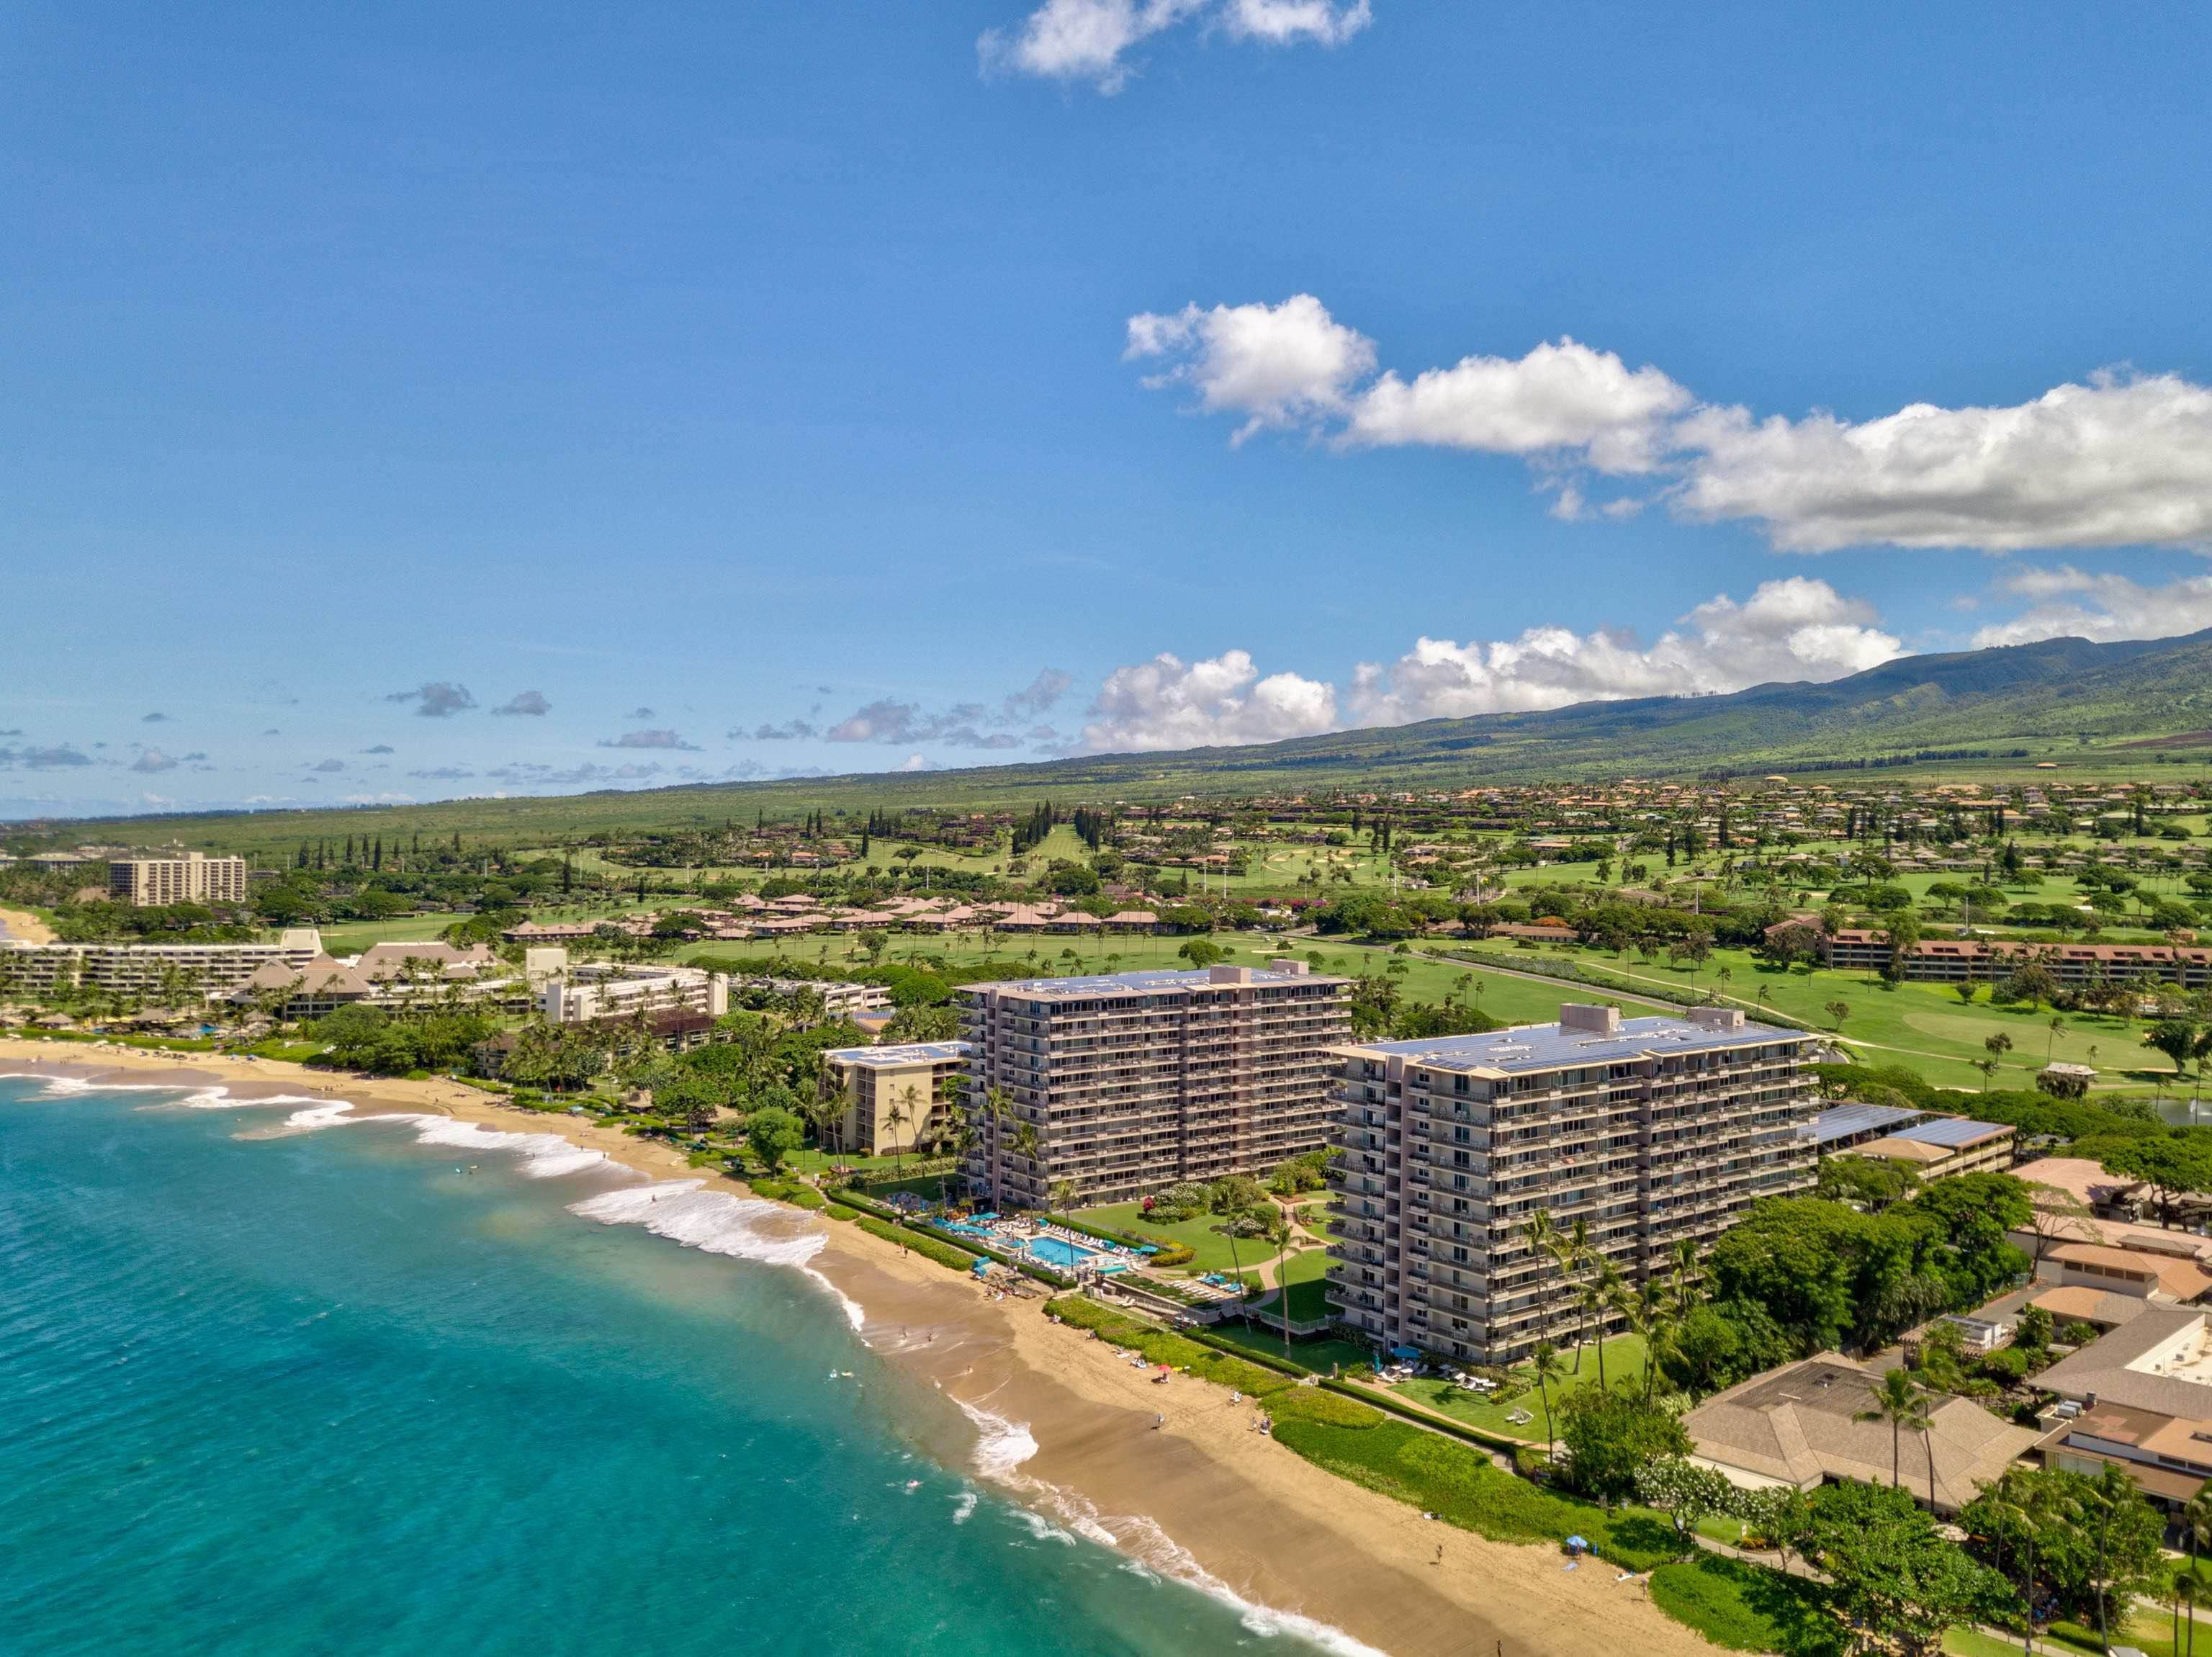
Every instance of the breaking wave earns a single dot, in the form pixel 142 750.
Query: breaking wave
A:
pixel 544 1156
pixel 682 1210
pixel 1002 1445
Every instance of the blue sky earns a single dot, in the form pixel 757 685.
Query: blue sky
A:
pixel 742 391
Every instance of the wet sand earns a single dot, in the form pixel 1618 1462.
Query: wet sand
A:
pixel 1204 1499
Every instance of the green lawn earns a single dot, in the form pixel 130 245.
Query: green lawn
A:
pixel 1213 1251
pixel 1924 1026
pixel 1309 1294
pixel 1624 1359
pixel 1317 1355
pixel 1972 1642
pixel 1745 1607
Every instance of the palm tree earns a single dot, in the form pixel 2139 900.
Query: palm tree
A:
pixel 1544 1364
pixel 2057 1029
pixel 1543 1236
pixel 900 1115
pixel 1900 1402
pixel 2197 1528
pixel 1642 1314
pixel 1278 1232
pixel 1576 1257
pixel 1597 1296
pixel 1028 1143
pixel 961 1134
pixel 2111 1494
pixel 2011 1501
pixel 997 1102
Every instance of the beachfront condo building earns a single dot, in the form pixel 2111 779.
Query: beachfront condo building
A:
pixel 1106 1089
pixel 182 971
pixel 1649 1132
pixel 188 877
pixel 895 1097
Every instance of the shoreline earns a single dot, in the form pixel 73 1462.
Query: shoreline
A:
pixel 1066 1423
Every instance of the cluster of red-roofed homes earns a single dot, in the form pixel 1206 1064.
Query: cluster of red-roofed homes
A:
pixel 775 917
pixel 2132 1389
pixel 1960 961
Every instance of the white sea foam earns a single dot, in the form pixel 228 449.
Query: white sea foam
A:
pixel 855 1314
pixel 544 1156
pixel 1149 1545
pixel 1003 1445
pixel 1148 1550
pixel 748 1227
pixel 213 1096
pixel 963 1506
pixel 221 1098
pixel 336 1113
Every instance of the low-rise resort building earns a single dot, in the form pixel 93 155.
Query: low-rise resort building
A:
pixel 895 1096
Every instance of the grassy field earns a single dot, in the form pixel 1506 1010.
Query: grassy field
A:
pixel 1212 1250
pixel 1624 1359
pixel 1309 1296
pixel 1923 1025
pixel 1742 1607
pixel 350 937
pixel 1509 999
pixel 1319 1356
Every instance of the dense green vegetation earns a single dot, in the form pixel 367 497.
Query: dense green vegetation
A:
pixel 1748 1608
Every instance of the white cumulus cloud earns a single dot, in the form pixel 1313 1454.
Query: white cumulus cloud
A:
pixel 1091 39
pixel 2069 603
pixel 1793 630
pixel 1286 23
pixel 1559 397
pixel 1281 365
pixel 2123 459
pixel 1167 703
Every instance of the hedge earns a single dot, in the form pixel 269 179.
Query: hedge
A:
pixel 1281 1366
pixel 797 1192
pixel 1397 1406
pixel 839 1211
pixel 930 1248
pixel 855 1199
pixel 1158 1345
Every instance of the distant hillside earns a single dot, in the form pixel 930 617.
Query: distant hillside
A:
pixel 2103 706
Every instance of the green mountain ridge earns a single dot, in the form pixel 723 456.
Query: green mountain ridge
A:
pixel 2085 704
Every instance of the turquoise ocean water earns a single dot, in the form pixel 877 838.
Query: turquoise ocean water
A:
pixel 318 1392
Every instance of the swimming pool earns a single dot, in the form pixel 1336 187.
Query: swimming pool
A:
pixel 1053 1252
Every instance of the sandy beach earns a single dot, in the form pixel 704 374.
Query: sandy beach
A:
pixel 24 927
pixel 1205 1499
